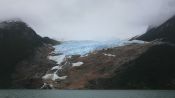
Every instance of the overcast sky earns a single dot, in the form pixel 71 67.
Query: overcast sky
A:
pixel 88 19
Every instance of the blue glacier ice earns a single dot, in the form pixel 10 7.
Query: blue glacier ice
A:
pixel 85 47
pixel 82 48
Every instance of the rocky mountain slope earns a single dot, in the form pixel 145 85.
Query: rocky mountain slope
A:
pixel 136 66
pixel 17 42
pixel 164 32
pixel 25 64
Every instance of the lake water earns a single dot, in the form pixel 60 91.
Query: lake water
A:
pixel 86 94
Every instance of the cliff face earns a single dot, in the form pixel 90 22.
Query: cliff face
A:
pixel 17 42
pixel 165 32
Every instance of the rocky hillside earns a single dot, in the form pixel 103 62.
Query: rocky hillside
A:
pixel 17 42
pixel 165 32
pixel 137 66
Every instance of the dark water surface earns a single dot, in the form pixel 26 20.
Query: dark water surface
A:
pixel 86 94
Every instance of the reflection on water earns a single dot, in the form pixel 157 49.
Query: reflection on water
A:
pixel 86 94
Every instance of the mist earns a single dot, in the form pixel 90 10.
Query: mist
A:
pixel 88 19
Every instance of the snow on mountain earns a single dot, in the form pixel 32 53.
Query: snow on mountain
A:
pixel 85 47
pixel 77 64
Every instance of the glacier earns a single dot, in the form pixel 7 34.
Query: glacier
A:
pixel 83 48
pixel 69 48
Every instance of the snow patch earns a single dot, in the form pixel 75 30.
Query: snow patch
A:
pixel 53 77
pixel 109 55
pixel 84 55
pixel 59 59
pixel 69 57
pixel 51 85
pixel 56 68
pixel 77 64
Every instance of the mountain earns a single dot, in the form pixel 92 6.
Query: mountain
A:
pixel 153 68
pixel 18 41
pixel 149 65
pixel 134 66
pixel 165 32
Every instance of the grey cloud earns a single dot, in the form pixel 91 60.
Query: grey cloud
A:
pixel 88 19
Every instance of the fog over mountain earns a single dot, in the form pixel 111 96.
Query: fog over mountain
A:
pixel 88 19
